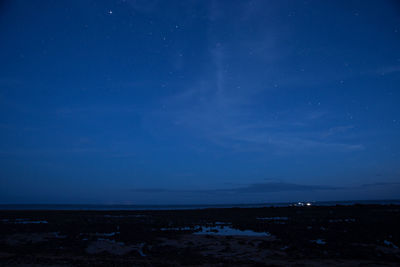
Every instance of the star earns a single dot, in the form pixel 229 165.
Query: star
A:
pixel 110 12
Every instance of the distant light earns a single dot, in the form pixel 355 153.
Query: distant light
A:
pixel 308 204
pixel 110 12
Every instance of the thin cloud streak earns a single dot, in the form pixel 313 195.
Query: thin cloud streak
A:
pixel 252 188
pixel 220 107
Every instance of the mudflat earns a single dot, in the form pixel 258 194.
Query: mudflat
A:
pixel 356 235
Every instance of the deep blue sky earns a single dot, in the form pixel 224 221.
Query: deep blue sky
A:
pixel 161 102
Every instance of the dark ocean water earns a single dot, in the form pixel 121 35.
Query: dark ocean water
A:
pixel 182 207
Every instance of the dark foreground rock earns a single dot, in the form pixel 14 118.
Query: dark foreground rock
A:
pixel 359 235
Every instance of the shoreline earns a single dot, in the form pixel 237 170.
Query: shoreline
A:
pixel 279 236
pixel 122 207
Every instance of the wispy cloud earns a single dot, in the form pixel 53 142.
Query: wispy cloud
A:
pixel 268 189
pixel 388 70
pixel 382 184
pixel 211 111
pixel 278 187
pixel 224 108
pixel 248 189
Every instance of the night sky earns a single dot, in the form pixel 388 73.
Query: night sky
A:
pixel 189 102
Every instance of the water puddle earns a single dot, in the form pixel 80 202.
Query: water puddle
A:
pixel 229 231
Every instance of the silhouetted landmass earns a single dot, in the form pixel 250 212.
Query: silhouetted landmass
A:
pixel 274 236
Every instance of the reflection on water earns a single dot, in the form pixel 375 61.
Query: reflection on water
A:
pixel 227 230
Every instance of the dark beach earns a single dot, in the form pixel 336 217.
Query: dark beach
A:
pixel 354 235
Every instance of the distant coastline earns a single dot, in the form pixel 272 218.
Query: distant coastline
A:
pixel 185 207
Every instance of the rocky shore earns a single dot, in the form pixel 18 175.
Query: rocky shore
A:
pixel 275 236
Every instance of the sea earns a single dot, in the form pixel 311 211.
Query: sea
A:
pixel 188 207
